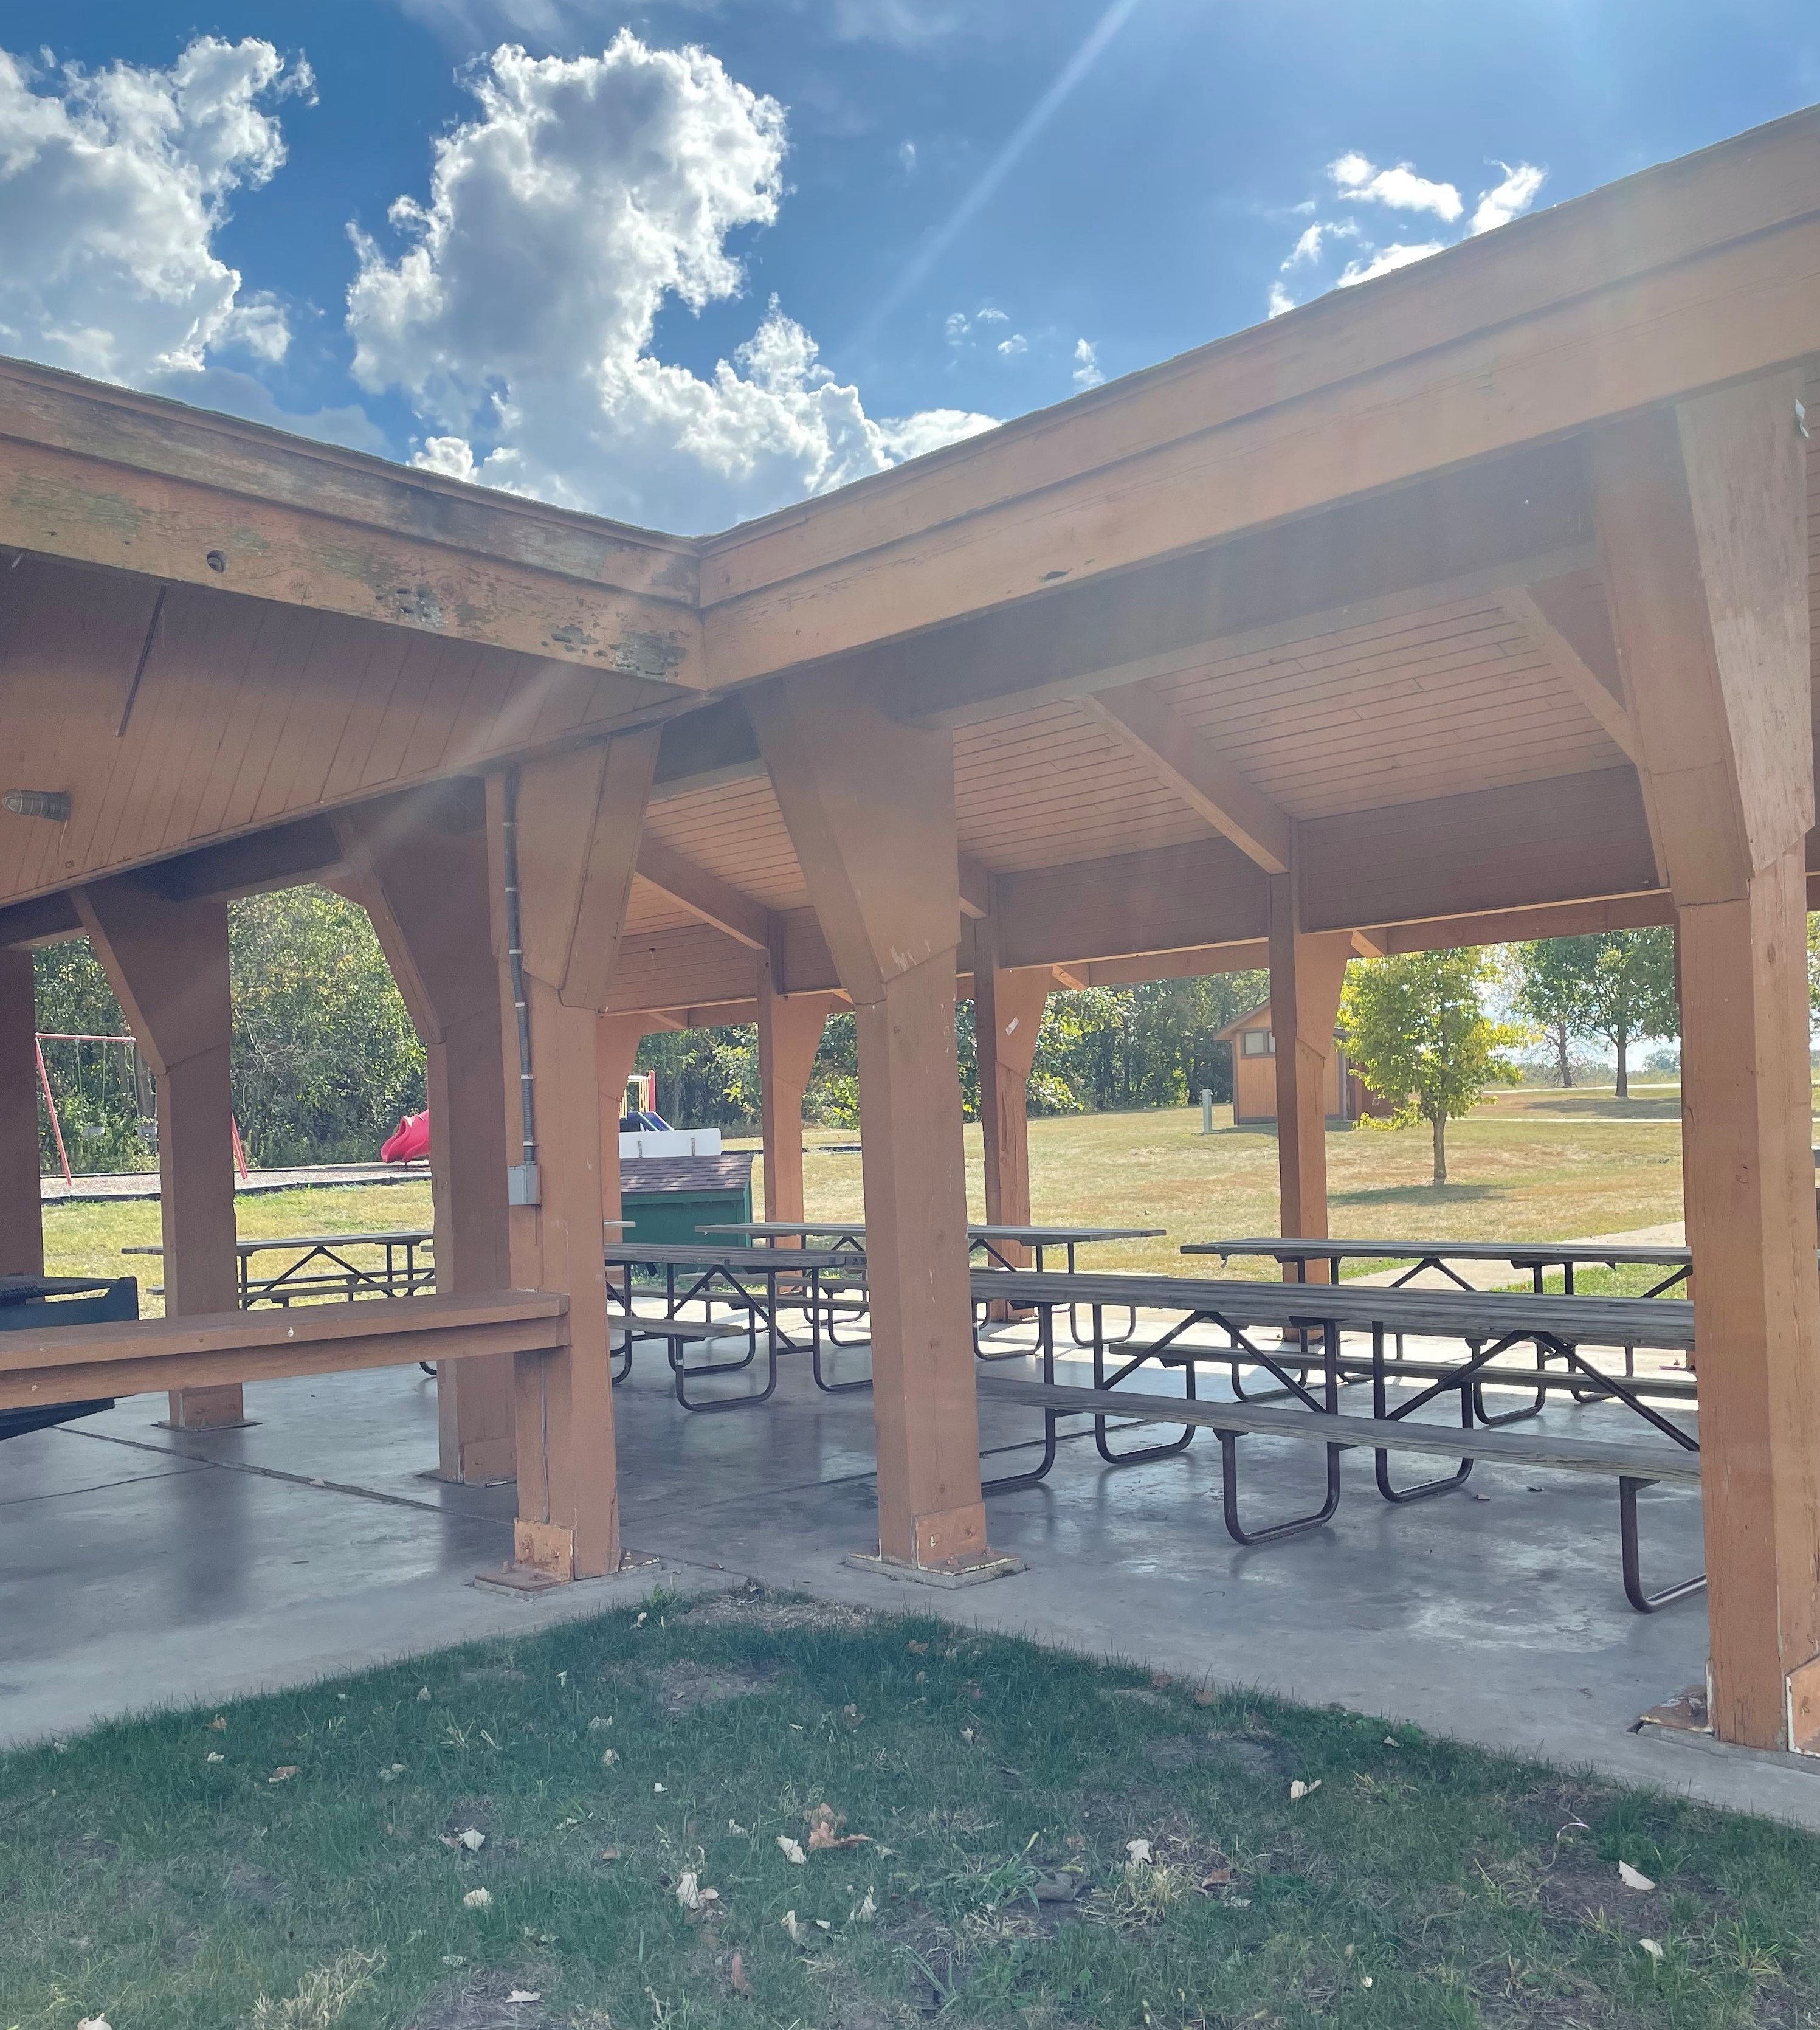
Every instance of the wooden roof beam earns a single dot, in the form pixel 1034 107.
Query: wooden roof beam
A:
pixel 1144 721
pixel 1579 643
pixel 705 894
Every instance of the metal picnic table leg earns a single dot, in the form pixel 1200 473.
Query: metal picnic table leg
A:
pixel 1007 1483
pixel 1644 1603
pixel 1229 1464
pixel 828 1388
pixel 1381 1410
pixel 1144 1452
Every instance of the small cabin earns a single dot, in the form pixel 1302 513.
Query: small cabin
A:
pixel 1254 1074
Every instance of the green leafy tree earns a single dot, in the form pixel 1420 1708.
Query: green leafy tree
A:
pixel 324 1057
pixel 1415 1029
pixel 1619 985
pixel 1550 991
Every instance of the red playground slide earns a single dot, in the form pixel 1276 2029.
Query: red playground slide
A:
pixel 408 1143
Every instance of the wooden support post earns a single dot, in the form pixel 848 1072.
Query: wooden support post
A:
pixel 616 1041
pixel 1701 518
pixel 574 821
pixel 869 805
pixel 1307 970
pixel 1008 1011
pixel 167 964
pixel 789 1033
pixel 418 867
pixel 21 1207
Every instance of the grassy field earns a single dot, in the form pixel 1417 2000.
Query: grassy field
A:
pixel 598 1822
pixel 1537 1164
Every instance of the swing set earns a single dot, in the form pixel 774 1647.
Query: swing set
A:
pixel 138 1080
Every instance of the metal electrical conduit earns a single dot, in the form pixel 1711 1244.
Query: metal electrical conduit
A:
pixel 521 1184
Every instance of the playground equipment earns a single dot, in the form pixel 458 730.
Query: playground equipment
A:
pixel 136 1078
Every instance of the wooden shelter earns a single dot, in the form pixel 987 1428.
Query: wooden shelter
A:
pixel 1470 603
pixel 1252 1039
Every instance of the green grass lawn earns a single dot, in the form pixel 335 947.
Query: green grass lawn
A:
pixel 1038 1841
pixel 1520 1169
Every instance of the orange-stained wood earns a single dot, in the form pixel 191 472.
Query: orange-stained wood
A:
pixel 1307 970
pixel 789 1033
pixel 168 964
pixel 1008 1011
pixel 418 866
pixel 21 1210
pixel 197 1356
pixel 870 804
pixel 616 1041
pixel 579 819
pixel 1702 516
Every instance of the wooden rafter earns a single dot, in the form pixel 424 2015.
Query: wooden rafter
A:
pixel 1179 758
pixel 705 894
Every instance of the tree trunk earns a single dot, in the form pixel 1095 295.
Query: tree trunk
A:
pixel 1623 1040
pixel 1440 1149
pixel 1561 1046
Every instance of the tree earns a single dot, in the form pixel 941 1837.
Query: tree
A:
pixel 324 1057
pixel 1617 984
pixel 1416 1032
pixel 1550 991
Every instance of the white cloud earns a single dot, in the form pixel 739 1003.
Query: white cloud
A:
pixel 1400 187
pixel 1011 346
pixel 907 158
pixel 1307 250
pixel 1087 373
pixel 1280 300
pixel 113 185
pixel 519 315
pixel 1385 260
pixel 1509 199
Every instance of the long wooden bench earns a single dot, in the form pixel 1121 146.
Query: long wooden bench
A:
pixel 81 1362
pixel 1634 1467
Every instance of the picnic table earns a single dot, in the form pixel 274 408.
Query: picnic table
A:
pixel 322 1269
pixel 761 1283
pixel 1490 1323
pixel 1538 1257
pixel 988 1240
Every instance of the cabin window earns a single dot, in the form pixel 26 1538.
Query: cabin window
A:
pixel 1257 1042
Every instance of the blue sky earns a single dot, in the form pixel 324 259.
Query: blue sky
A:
pixel 752 248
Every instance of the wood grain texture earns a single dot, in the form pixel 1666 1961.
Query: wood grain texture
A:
pixel 21 1210
pixel 789 1033
pixel 78 1362
pixel 1650 338
pixel 1306 974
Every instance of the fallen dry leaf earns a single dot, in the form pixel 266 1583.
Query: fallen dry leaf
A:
pixel 1203 1696
pixel 611 1853
pixel 1161 1681
pixel 970 1736
pixel 657 1786
pixel 1633 1878
pixel 423 1695
pixel 1138 1854
pixel 218 1724
pixel 609 1760
pixel 476 1899
pixel 599 1722
pixel 792 1853
pixel 733 1826
pixel 798 1934
pixel 1215 1878
pixel 825 1824
pixel 1298 1790
pixel 94 2023
pixel 917 1648
pixel 391 1774
pixel 214 1757
pixel 867 1911
pixel 691 1895
pixel 1653 1947
pixel 522 1994
pixel 470 1837
pixel 285 1773
pixel 642 1618
pixel 737 1974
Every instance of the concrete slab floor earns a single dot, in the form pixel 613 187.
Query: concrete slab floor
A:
pixel 141 1568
